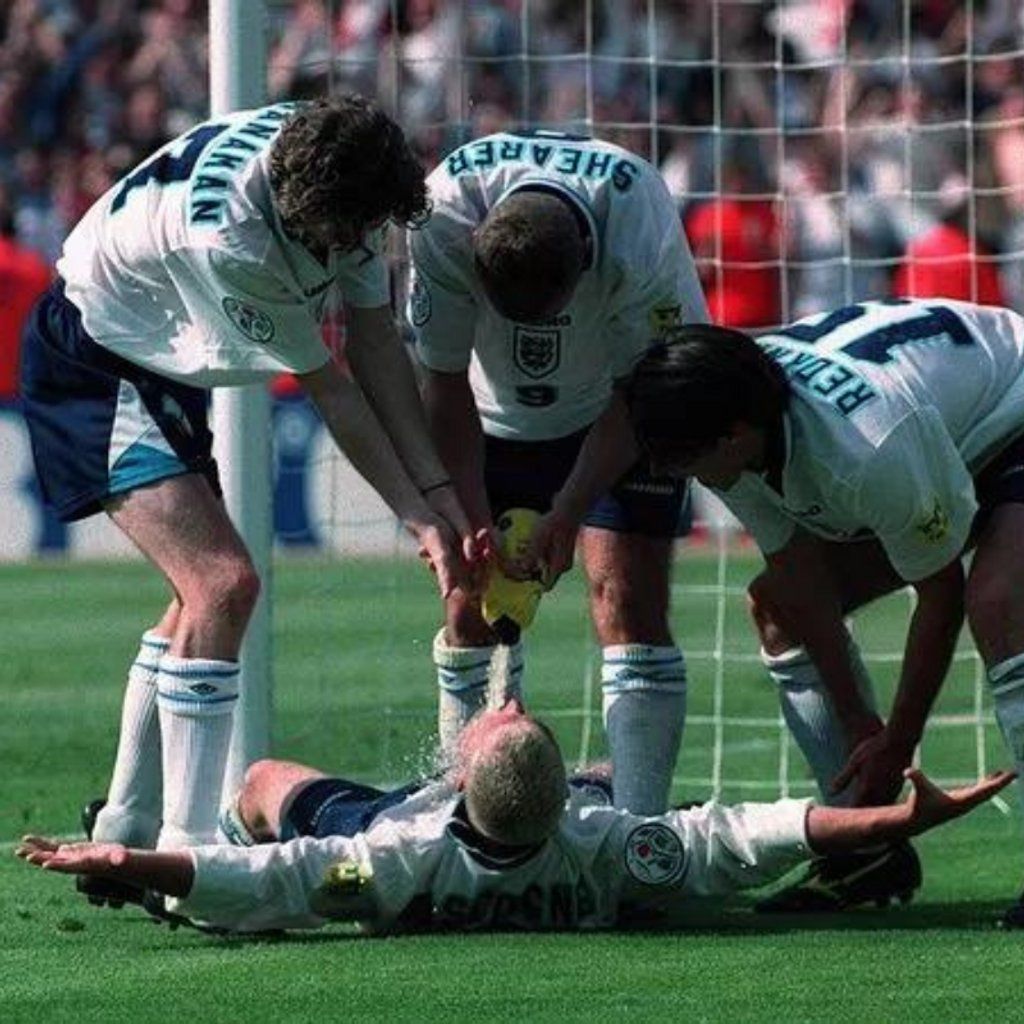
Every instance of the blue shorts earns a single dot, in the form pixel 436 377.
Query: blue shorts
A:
pixel 338 807
pixel 1001 482
pixel 100 425
pixel 528 474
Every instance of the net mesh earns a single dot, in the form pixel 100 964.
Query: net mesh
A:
pixel 822 152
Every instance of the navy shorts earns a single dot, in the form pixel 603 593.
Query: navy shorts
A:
pixel 338 807
pixel 1001 482
pixel 100 425
pixel 528 474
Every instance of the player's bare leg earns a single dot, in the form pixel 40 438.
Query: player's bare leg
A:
pixel 181 526
pixel 995 613
pixel 462 653
pixel 267 793
pixel 860 573
pixel 643 674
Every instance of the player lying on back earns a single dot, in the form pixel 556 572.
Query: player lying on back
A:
pixel 501 842
pixel 865 449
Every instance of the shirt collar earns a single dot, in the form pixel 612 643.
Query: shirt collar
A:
pixel 577 205
pixel 485 851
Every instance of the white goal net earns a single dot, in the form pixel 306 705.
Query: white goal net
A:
pixel 822 152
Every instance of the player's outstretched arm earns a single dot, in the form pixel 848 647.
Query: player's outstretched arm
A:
pixel 167 871
pixel 837 829
pixel 360 436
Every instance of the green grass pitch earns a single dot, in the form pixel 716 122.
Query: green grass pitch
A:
pixel 355 694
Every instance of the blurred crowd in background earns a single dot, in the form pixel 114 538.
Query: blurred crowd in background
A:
pixel 822 151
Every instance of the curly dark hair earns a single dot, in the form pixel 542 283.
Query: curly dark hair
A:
pixel 341 164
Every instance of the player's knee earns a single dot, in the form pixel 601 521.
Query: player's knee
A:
pixel 995 609
pixel 625 610
pixel 257 774
pixel 762 604
pixel 231 590
pixel 258 781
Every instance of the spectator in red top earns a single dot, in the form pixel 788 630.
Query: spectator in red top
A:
pixel 736 242
pixel 942 263
pixel 23 277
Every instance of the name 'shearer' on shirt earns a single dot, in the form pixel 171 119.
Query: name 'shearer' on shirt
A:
pixel 545 154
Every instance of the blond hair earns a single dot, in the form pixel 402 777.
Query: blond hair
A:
pixel 515 787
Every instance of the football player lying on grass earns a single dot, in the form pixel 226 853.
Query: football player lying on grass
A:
pixel 503 841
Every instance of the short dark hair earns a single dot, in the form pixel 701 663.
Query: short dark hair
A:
pixel 528 251
pixel 342 164
pixel 691 389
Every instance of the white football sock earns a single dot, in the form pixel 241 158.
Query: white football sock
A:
pixel 132 812
pixel 644 691
pixel 196 697
pixel 1007 682
pixel 463 674
pixel 231 826
pixel 808 711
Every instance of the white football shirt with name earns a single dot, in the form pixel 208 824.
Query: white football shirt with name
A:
pixel 542 381
pixel 895 407
pixel 183 266
pixel 421 865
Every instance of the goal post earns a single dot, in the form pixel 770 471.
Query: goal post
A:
pixel 241 415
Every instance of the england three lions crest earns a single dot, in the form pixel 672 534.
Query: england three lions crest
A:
pixel 537 350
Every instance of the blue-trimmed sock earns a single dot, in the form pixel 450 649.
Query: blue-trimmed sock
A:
pixel 132 812
pixel 810 715
pixel 1007 682
pixel 644 713
pixel 462 679
pixel 196 697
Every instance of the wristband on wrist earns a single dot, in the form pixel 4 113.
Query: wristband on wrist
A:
pixel 435 486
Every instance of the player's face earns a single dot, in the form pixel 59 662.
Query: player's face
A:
pixel 718 465
pixel 322 238
pixel 483 730
pixel 531 312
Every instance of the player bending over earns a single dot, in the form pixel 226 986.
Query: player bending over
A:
pixel 865 449
pixel 547 265
pixel 209 265
pixel 496 844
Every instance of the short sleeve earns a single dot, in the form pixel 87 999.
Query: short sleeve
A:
pixel 659 288
pixel 251 320
pixel 917 496
pixel 771 528
pixel 441 308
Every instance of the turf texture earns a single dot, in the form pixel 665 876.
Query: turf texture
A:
pixel 355 695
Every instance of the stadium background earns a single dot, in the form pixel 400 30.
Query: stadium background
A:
pixel 822 151
pixel 813 166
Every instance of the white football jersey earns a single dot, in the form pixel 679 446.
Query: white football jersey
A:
pixel 422 864
pixel 895 407
pixel 542 381
pixel 183 266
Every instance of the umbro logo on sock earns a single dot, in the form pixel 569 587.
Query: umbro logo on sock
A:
pixel 203 689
